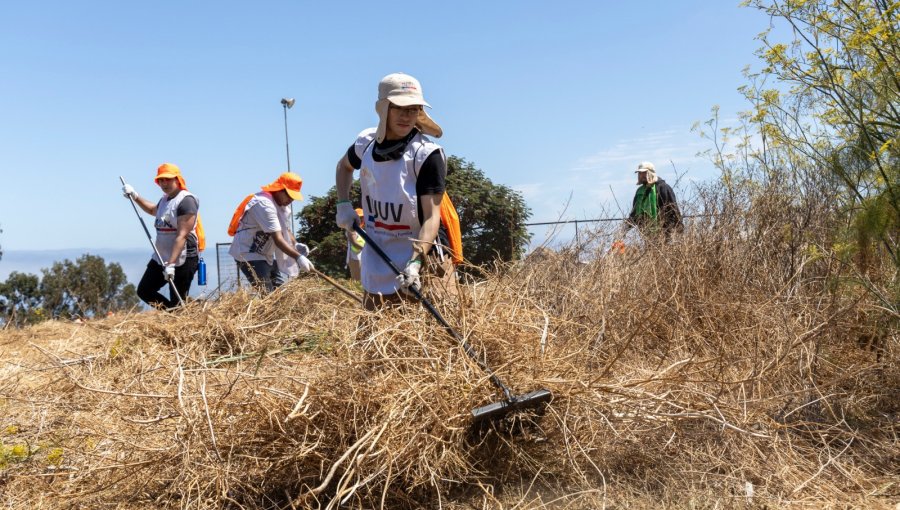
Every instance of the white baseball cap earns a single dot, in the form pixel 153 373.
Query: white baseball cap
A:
pixel 646 166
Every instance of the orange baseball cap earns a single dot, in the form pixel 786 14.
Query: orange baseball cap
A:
pixel 289 182
pixel 169 171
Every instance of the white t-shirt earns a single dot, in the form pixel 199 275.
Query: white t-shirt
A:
pixel 253 239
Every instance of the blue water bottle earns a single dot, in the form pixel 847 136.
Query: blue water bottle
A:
pixel 201 272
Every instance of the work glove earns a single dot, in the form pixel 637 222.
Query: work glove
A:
pixel 169 271
pixel 129 192
pixel 346 216
pixel 302 249
pixel 304 263
pixel 410 275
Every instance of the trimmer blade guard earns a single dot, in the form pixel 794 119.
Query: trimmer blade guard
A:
pixel 536 400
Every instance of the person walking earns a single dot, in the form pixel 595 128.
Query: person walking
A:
pixel 402 179
pixel 264 247
pixel 179 238
pixel 654 208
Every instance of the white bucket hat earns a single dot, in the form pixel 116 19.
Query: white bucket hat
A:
pixel 648 167
pixel 403 90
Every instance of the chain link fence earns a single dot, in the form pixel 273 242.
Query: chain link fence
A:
pixel 561 230
pixel 228 277
pixel 583 232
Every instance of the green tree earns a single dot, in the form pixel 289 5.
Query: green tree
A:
pixel 87 287
pixel 318 229
pixel 831 97
pixel 20 299
pixel 492 218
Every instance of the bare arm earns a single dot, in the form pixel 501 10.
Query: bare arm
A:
pixel 431 212
pixel 148 206
pixel 343 178
pixel 185 226
pixel 284 246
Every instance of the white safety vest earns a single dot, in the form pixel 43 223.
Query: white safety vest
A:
pixel 167 227
pixel 390 207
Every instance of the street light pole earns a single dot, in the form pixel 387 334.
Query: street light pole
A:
pixel 285 104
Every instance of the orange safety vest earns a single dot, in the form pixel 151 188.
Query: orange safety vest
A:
pixel 450 219
pixel 238 214
pixel 201 235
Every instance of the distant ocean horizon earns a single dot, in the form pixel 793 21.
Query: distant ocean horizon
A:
pixel 133 262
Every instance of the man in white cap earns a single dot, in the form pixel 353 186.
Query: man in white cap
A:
pixel 402 179
pixel 654 207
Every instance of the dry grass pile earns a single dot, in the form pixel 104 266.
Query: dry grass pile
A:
pixel 689 377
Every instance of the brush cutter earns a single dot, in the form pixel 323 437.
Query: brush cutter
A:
pixel 150 238
pixel 497 410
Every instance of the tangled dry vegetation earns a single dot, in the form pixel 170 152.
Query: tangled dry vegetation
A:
pixel 696 377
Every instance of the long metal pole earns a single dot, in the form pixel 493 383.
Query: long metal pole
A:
pixel 428 306
pixel 287 150
pixel 337 285
pixel 150 238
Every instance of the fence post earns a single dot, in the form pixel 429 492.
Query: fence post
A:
pixel 218 270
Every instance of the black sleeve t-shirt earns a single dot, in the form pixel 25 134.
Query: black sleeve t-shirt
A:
pixel 189 205
pixel 431 179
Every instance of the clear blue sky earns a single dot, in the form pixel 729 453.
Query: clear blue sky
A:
pixel 550 98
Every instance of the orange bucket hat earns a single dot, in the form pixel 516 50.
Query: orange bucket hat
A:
pixel 169 171
pixel 289 182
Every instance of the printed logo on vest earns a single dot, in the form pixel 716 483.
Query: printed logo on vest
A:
pixel 260 240
pixel 382 212
pixel 163 226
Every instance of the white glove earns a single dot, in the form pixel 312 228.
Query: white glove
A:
pixel 304 263
pixel 302 249
pixel 129 192
pixel 169 271
pixel 346 216
pixel 410 275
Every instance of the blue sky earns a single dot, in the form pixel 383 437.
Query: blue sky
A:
pixel 555 99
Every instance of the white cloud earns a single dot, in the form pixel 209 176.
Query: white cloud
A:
pixel 678 147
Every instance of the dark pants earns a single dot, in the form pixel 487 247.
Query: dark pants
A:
pixel 262 274
pixel 154 279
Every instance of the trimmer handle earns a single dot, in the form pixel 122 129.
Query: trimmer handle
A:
pixel 384 256
pixel 387 260
pixel 437 315
pixel 150 238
